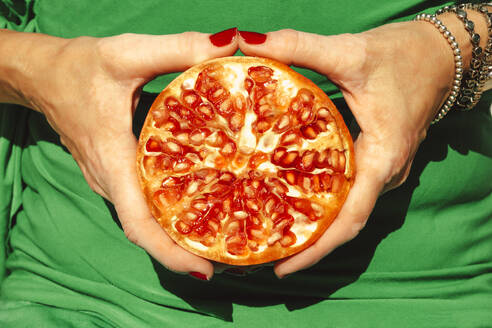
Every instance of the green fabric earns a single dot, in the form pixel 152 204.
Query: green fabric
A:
pixel 423 260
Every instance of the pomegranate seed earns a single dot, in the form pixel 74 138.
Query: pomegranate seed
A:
pixel 200 204
pixel 204 83
pixel 305 115
pixel 325 181
pixel 159 116
pixel 317 185
pixel 233 227
pixel 190 98
pixel 171 182
pixel 182 165
pixel 262 126
pixel 191 216
pixel 260 74
pixel 333 158
pixel 288 239
pixel 172 147
pixel 193 187
pixel 249 191
pixel 227 177
pixel 197 137
pixel 337 183
pixel 306 183
pixel 182 227
pixel 205 111
pixel 309 131
pixel 153 145
pixel 183 137
pixel 341 161
pixel 208 240
pixel 295 105
pixel 163 162
pixel 276 186
pixel 236 244
pixel 252 205
pixel 225 107
pixel 269 205
pixel 265 110
pixel 240 103
pixel 289 138
pixel 240 214
pixel 214 226
pixel 305 95
pixel 236 122
pixel 307 161
pixel 321 125
pixel 276 236
pixel 282 124
pixel 216 139
pixel 228 149
pixel 256 233
pixel 166 197
pixel 278 155
pixel 325 114
pixel 289 160
pixel 171 125
pixel 194 158
pixel 318 209
pixel 322 159
pixel 257 159
pixel 290 177
pixel 172 103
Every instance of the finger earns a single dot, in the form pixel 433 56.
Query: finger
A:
pixel 328 55
pixel 151 55
pixel 137 221
pixel 358 206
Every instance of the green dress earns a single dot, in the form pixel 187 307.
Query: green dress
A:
pixel 423 260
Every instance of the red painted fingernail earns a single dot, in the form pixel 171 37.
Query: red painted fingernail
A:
pixel 199 275
pixel 253 37
pixel 223 38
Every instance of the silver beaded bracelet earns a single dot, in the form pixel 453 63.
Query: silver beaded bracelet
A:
pixel 458 64
pixel 474 79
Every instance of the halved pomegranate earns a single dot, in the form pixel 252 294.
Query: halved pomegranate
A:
pixel 244 161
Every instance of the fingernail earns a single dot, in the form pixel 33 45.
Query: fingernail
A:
pixel 253 37
pixel 199 275
pixel 223 38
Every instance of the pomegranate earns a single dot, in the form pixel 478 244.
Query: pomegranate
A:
pixel 244 161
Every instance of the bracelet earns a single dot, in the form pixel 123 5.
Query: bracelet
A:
pixel 478 73
pixel 458 64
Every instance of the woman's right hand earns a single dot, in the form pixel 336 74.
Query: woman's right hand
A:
pixel 88 89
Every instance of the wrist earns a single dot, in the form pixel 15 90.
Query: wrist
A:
pixel 26 71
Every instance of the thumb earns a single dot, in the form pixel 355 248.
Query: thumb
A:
pixel 150 55
pixel 328 55
pixel 137 221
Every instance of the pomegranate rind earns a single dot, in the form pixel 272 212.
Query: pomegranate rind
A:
pixel 166 215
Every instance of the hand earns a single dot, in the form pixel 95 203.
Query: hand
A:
pixel 88 90
pixel 394 79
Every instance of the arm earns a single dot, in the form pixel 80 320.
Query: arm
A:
pixel 88 89
pixel 394 79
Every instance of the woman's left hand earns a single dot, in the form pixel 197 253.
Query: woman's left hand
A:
pixel 394 79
